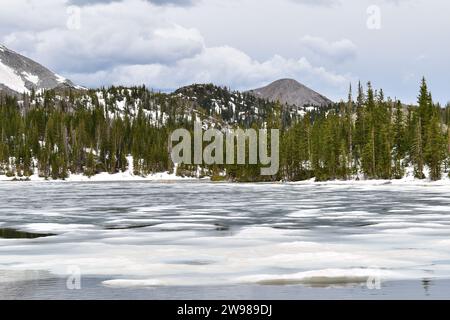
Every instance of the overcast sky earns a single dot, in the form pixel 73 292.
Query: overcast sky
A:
pixel 243 44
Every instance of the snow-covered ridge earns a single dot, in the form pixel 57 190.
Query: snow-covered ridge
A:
pixel 19 74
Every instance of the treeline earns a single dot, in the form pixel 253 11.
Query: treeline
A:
pixel 367 136
pixel 370 137
pixel 86 140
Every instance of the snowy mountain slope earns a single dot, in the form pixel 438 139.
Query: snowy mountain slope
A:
pixel 222 103
pixel 291 92
pixel 19 74
pixel 216 106
pixel 243 108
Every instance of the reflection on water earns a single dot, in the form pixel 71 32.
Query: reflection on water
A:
pixel 55 288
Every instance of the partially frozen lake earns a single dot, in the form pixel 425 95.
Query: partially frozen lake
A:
pixel 185 240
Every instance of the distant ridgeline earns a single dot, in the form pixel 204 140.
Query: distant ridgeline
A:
pixel 58 133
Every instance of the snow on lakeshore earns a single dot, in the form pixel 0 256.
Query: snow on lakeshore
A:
pixel 400 182
pixel 105 177
pixel 166 176
pixel 127 176
pixel 407 180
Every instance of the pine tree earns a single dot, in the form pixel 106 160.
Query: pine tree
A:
pixel 425 108
pixel 435 147
pixel 399 147
pixel 417 151
pixel 369 147
pixel 349 129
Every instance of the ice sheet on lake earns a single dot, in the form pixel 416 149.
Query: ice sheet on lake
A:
pixel 151 234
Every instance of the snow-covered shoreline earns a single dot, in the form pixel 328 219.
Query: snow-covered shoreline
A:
pixel 103 177
pixel 407 180
pixel 397 182
pixel 168 177
pixel 129 176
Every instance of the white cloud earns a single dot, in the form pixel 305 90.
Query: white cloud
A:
pixel 144 34
pixel 157 2
pixel 115 34
pixel 133 42
pixel 22 15
pixel 327 3
pixel 220 65
pixel 337 51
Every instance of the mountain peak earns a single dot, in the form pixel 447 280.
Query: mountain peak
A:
pixel 292 92
pixel 287 81
pixel 19 74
